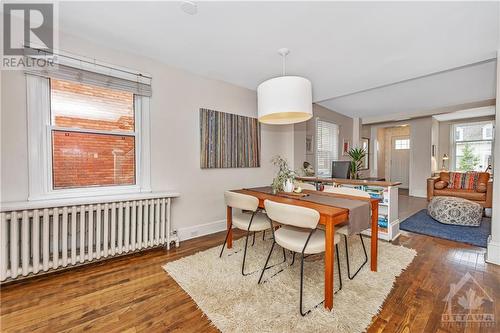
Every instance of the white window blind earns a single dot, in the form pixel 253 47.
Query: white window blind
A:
pixel 327 146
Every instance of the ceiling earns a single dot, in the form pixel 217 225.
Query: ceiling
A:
pixel 342 47
pixel 460 86
pixel 464 114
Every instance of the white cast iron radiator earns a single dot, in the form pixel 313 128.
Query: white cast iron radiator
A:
pixel 36 237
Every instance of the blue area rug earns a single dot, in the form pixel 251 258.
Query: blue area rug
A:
pixel 422 223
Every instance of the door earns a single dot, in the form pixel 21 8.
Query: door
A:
pixel 400 160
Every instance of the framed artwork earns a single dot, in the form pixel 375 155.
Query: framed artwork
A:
pixel 346 146
pixel 228 140
pixel 365 144
pixel 309 144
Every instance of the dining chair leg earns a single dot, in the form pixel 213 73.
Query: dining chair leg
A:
pixel 245 255
pixel 225 241
pixel 253 241
pixel 263 235
pixel 267 261
pixel 347 258
pixel 302 274
pixel 293 259
pixel 338 267
pixel 302 283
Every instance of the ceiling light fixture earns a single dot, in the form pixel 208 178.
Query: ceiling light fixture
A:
pixel 285 99
pixel 189 7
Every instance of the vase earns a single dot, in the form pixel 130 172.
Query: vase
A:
pixel 288 186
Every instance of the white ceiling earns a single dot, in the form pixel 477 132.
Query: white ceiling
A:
pixel 464 114
pixel 460 86
pixel 342 47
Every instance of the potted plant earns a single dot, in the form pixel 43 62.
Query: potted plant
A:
pixel 356 155
pixel 283 182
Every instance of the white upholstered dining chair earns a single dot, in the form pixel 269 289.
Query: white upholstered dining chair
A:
pixel 298 234
pixel 246 216
pixel 344 229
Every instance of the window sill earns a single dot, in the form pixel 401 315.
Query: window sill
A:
pixel 74 201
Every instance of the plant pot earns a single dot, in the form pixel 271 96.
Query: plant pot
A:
pixel 288 186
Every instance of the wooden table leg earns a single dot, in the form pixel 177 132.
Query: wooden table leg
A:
pixel 374 240
pixel 229 219
pixel 329 255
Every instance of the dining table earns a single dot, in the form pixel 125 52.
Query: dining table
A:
pixel 331 216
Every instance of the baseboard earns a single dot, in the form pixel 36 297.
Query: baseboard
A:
pixel 418 193
pixel 201 230
pixel 493 252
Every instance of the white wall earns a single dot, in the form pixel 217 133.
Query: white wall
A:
pixel 435 142
pixel 493 250
pixel 177 97
pixel 345 124
pixel 420 152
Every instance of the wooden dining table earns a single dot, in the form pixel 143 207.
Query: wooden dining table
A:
pixel 330 217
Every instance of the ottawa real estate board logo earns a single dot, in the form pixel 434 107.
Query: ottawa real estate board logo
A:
pixel 468 304
pixel 29 35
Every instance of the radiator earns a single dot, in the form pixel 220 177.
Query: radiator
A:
pixel 34 241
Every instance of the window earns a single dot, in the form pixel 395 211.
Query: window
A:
pixel 472 143
pixel 488 131
pixel 86 137
pixel 402 144
pixel 327 143
pixel 93 136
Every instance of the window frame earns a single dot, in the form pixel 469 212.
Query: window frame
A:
pixel 40 154
pixel 405 146
pixel 316 155
pixel 453 161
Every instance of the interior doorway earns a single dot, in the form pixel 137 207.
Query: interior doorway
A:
pixel 400 160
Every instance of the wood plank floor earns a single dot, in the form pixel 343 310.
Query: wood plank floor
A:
pixel 133 293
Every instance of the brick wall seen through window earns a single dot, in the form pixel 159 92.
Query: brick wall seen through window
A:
pixel 93 138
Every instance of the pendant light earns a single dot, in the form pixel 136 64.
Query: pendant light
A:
pixel 285 99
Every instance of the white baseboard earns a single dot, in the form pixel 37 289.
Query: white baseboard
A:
pixel 493 252
pixel 418 193
pixel 201 230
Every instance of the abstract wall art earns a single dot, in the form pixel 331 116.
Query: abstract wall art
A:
pixel 228 140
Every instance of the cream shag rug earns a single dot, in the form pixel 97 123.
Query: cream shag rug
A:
pixel 236 303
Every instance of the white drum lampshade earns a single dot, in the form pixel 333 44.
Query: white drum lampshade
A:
pixel 284 100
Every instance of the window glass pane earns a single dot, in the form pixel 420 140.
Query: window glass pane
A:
pixel 473 155
pixel 83 159
pixel 402 144
pixel 76 105
pixel 469 132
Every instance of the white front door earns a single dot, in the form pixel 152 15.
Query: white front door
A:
pixel 400 160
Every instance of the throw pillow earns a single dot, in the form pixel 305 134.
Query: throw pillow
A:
pixel 439 185
pixel 463 181
pixel 481 188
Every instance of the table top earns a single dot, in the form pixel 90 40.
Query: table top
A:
pixel 325 210
pixel 321 208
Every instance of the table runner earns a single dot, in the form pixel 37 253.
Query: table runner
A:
pixel 359 210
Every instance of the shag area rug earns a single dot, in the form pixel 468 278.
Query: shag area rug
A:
pixel 236 303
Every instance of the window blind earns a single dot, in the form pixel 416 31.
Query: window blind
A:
pixel 71 69
pixel 327 146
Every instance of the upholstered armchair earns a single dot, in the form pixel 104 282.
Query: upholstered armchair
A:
pixel 481 193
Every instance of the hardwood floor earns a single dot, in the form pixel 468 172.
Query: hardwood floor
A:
pixel 133 293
